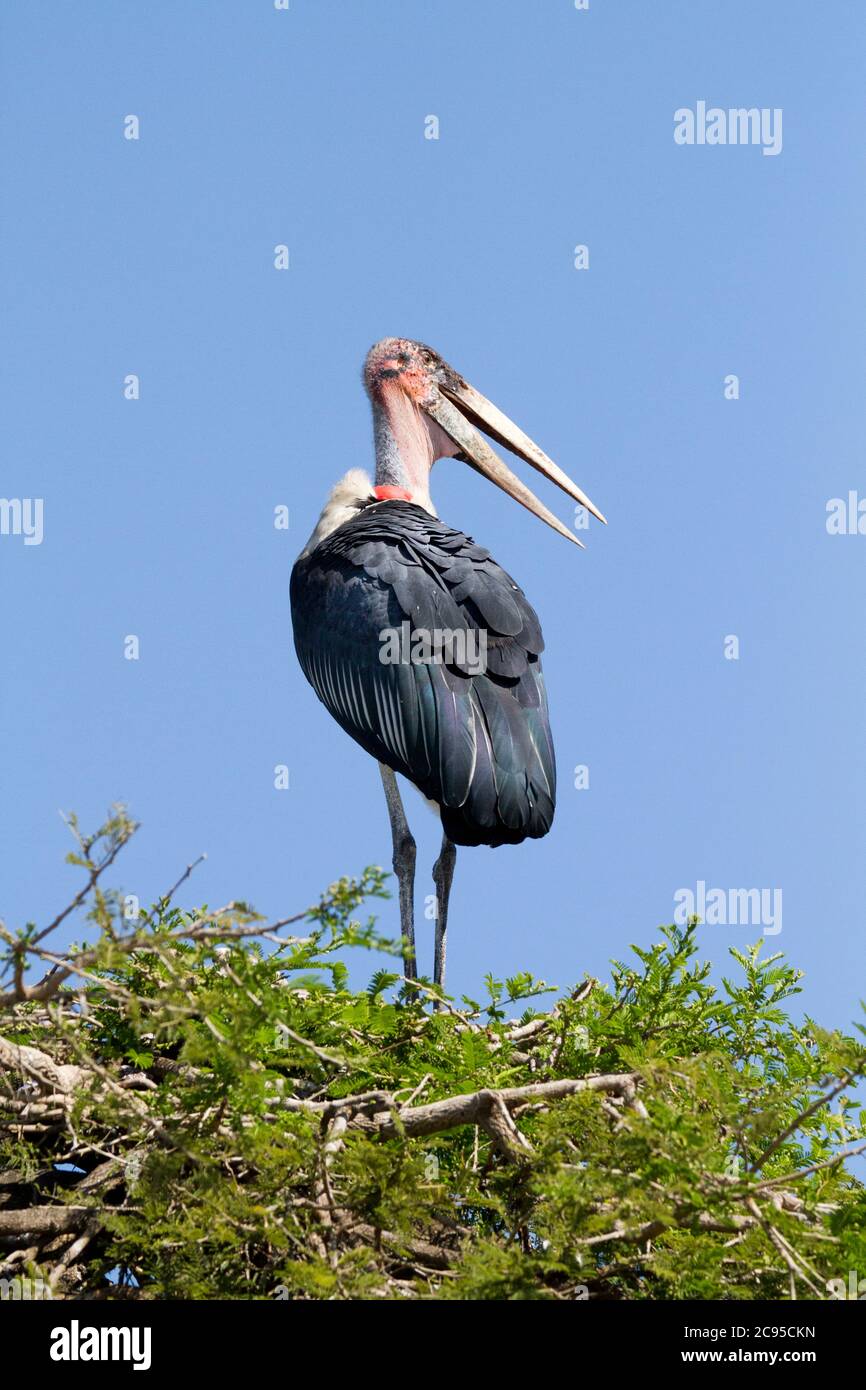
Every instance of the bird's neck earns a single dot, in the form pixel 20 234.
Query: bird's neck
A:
pixel 407 445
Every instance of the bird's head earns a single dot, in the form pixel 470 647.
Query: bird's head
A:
pixel 413 386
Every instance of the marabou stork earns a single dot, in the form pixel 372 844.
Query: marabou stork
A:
pixel 473 737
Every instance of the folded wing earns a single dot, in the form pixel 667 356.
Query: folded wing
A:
pixel 470 730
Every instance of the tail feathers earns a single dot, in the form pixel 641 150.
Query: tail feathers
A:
pixel 512 793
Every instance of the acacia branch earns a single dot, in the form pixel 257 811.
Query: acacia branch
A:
pixel 205 928
pixel 31 1061
pixel 377 1110
pixel 52 1221
pixel 845 1081
pixel 95 872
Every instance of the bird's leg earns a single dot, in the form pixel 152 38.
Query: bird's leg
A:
pixel 443 874
pixel 404 867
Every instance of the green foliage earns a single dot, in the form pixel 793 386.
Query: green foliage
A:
pixel 244 1124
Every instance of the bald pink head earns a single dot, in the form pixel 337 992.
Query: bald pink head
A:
pixel 412 365
pixel 424 410
pixel 400 376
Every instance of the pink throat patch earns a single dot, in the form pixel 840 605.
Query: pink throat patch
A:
pixel 392 494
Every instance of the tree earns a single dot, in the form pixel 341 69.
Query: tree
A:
pixel 197 1105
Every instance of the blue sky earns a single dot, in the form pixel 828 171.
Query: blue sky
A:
pixel 155 257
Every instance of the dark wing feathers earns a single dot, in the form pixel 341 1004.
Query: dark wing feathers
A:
pixel 477 744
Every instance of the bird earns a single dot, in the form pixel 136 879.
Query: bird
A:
pixel 422 648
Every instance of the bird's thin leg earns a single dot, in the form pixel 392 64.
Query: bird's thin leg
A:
pixel 404 867
pixel 443 875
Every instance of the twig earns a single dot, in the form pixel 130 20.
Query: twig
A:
pixel 847 1080
pixel 813 1168
pixel 95 873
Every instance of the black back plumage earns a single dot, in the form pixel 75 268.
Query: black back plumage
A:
pixel 477 744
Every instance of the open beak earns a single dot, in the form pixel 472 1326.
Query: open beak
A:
pixel 475 409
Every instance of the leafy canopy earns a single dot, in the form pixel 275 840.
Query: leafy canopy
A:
pixel 198 1105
